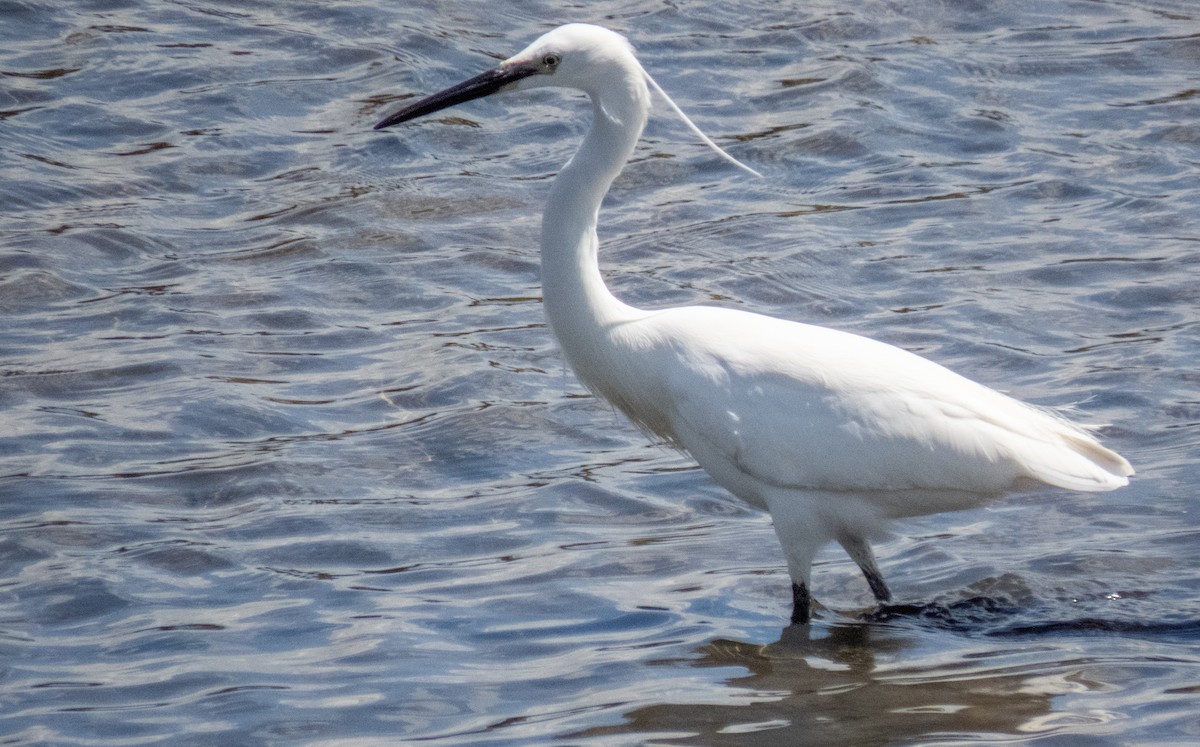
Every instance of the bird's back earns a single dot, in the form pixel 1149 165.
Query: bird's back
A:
pixel 797 406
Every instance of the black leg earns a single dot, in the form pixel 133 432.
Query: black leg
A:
pixel 801 604
pixel 878 586
pixel 859 550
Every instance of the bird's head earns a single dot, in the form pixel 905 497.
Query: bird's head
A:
pixel 579 55
pixel 588 58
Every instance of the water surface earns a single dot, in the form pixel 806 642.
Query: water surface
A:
pixel 288 454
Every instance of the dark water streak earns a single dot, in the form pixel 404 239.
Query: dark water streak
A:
pixel 287 454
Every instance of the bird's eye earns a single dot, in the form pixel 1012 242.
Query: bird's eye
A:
pixel 551 60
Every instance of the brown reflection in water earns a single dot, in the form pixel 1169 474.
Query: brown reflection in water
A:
pixel 829 691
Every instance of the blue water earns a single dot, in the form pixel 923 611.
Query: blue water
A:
pixel 289 456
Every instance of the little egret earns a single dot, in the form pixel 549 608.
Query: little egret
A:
pixel 832 433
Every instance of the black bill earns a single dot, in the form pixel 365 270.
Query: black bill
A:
pixel 481 85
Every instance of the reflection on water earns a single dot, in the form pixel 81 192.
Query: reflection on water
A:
pixel 876 684
pixel 287 453
pixel 835 690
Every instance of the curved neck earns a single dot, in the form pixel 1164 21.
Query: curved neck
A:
pixel 578 305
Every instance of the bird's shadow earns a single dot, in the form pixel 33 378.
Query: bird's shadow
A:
pixel 975 614
pixel 999 616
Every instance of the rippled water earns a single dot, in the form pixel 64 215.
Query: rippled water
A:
pixel 288 455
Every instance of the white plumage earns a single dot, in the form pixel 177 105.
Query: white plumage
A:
pixel 834 434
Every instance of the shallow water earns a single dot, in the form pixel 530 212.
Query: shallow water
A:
pixel 288 455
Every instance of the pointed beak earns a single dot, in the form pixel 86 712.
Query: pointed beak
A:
pixel 475 88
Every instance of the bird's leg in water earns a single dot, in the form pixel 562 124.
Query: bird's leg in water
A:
pixel 860 552
pixel 878 587
pixel 801 603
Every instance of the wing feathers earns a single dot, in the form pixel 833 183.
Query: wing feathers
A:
pixel 799 406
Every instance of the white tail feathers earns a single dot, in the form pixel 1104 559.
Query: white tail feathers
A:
pixel 1069 457
pixel 1104 469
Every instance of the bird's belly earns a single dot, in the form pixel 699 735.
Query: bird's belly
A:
pixel 725 471
pixel 885 504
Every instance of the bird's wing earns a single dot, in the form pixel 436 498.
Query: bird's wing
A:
pixel 799 406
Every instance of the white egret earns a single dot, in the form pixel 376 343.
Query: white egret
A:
pixel 833 433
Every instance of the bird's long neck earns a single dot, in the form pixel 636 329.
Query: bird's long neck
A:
pixel 581 310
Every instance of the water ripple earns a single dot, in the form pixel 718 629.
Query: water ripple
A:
pixel 288 453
